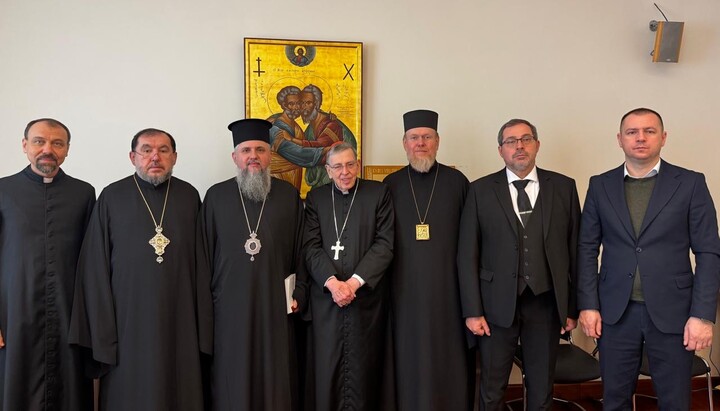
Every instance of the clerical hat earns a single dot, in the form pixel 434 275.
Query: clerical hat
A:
pixel 250 129
pixel 420 118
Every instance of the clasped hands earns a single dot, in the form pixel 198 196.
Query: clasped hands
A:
pixel 343 292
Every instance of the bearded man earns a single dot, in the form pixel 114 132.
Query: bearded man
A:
pixel 43 216
pixel 136 309
pixel 251 228
pixel 432 362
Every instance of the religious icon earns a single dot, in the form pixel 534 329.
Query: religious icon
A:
pixel 422 232
pixel 298 55
pixel 312 93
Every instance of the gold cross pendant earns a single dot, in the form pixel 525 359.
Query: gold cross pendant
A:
pixel 159 242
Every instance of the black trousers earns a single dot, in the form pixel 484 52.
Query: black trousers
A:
pixel 537 326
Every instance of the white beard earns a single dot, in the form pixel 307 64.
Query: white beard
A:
pixel 421 165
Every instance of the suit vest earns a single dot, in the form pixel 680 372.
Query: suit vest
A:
pixel 533 268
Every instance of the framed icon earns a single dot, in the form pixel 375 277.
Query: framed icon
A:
pixel 312 93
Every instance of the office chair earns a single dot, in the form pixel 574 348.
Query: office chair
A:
pixel 573 366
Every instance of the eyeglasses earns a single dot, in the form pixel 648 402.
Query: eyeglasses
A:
pixel 339 167
pixel 512 141
pixel 149 152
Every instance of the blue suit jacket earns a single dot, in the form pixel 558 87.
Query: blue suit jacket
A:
pixel 680 217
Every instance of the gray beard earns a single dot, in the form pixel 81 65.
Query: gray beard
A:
pixel 293 114
pixel 421 165
pixel 310 117
pixel 156 181
pixel 46 168
pixel 254 186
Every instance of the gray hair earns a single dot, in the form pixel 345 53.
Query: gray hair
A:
pixel 286 91
pixel 316 92
pixel 337 149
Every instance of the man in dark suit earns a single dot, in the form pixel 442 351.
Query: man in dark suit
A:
pixel 516 261
pixel 647 214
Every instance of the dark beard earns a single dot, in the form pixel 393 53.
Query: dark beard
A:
pixel 254 186
pixel 155 180
pixel 46 168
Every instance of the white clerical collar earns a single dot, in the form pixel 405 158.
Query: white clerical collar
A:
pixel 651 173
pixel 512 176
pixel 47 180
pixel 347 191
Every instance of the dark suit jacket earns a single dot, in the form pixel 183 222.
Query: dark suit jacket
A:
pixel 488 246
pixel 680 217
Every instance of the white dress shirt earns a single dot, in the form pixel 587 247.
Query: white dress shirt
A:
pixel 532 189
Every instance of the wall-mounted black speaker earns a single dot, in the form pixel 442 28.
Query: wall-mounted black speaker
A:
pixel 668 38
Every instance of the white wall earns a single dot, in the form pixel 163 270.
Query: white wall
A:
pixel 108 69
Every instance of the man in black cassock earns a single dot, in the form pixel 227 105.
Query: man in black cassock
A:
pixel 349 242
pixel 251 231
pixel 136 308
pixel 432 363
pixel 43 216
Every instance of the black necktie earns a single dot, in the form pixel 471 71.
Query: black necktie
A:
pixel 523 201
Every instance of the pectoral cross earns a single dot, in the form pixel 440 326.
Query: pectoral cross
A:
pixel 159 242
pixel 337 248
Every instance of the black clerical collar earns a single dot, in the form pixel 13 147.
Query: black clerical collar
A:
pixel 29 173
pixel 144 184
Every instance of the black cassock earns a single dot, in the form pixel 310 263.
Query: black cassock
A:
pixel 349 342
pixel 254 359
pixel 41 231
pixel 431 355
pixel 139 317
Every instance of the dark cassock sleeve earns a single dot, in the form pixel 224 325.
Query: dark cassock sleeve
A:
pixel 302 276
pixel 92 324
pixel 377 259
pixel 318 263
pixel 205 238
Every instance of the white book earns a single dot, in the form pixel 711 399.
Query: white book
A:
pixel 289 288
